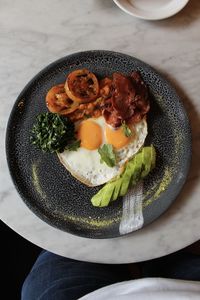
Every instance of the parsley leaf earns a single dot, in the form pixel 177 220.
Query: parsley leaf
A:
pixel 126 130
pixel 107 155
pixel 73 146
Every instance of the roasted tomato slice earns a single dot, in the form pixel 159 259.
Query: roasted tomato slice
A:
pixel 58 101
pixel 82 86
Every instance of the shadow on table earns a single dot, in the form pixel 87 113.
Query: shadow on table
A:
pixel 17 258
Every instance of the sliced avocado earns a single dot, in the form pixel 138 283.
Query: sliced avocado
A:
pixel 126 178
pixel 146 155
pixel 118 184
pixel 107 194
pixel 153 157
pixel 97 198
pixel 149 160
pixel 146 161
pixel 138 168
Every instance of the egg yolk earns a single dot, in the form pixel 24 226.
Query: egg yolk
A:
pixel 90 135
pixel 116 137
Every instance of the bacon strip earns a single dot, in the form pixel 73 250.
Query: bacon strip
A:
pixel 129 100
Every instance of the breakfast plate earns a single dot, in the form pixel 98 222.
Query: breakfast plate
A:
pixel 58 198
pixel 151 9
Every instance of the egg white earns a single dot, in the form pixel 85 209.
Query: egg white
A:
pixel 85 164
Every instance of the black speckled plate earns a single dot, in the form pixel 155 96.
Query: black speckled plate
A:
pixel 62 201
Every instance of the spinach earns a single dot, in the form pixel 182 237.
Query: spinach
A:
pixel 52 132
pixel 126 130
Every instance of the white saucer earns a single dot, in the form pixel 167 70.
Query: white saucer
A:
pixel 151 9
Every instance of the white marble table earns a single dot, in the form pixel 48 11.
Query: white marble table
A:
pixel 34 33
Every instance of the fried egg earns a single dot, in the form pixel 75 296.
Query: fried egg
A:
pixel 85 165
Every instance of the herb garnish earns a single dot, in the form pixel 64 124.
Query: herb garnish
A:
pixel 107 155
pixel 52 133
pixel 126 130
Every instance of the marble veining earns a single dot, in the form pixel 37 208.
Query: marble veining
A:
pixel 35 33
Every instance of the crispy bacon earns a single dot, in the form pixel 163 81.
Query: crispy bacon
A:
pixel 123 96
pixel 142 95
pixel 112 118
pixel 129 100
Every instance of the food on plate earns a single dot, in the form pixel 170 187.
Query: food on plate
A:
pixel 58 101
pixel 53 133
pixel 135 169
pixel 105 86
pixel 108 155
pixel 87 110
pixel 91 167
pixel 82 86
pixel 129 99
pixel 97 128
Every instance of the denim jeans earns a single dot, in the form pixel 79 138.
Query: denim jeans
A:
pixel 54 277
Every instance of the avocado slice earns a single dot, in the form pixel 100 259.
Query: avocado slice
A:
pixel 126 178
pixel 136 169
pixel 146 161
pixel 153 157
pixel 107 194
pixel 97 198
pixel 118 184
pixel 149 160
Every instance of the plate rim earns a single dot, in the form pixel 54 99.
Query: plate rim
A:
pixel 133 13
